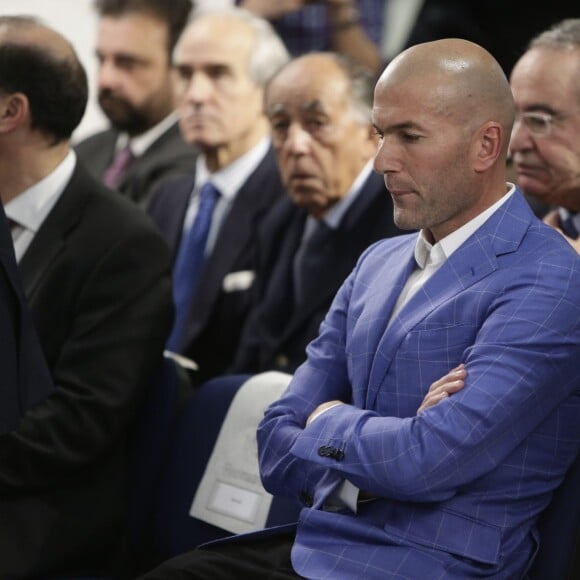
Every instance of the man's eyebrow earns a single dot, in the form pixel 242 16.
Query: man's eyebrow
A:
pixel 402 126
pixel 275 109
pixel 312 106
pixel 540 108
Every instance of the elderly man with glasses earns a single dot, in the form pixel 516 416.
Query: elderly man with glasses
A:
pixel 545 146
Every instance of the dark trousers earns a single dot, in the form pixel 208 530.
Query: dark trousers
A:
pixel 264 558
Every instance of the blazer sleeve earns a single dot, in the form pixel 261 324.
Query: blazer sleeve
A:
pixel 286 473
pixel 123 315
pixel 521 366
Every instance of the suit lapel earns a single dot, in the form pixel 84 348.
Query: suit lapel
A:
pixel 475 259
pixel 337 257
pixel 234 240
pixel 50 239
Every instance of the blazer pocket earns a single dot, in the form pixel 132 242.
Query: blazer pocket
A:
pixel 451 338
pixel 446 530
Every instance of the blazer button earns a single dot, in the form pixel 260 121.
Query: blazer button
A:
pixel 338 454
pixel 324 451
pixel 306 499
pixel 281 361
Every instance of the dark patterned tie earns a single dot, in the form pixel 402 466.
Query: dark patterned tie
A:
pixel 189 262
pixel 116 171
pixel 307 260
pixel 569 227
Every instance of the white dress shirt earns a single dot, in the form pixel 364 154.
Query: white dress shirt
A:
pixel 30 208
pixel 228 180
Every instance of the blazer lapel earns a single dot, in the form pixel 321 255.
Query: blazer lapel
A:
pixel 234 240
pixel 50 239
pixel 470 263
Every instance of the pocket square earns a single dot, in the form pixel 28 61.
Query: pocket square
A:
pixel 236 281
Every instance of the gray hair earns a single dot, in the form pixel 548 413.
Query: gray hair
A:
pixel 269 53
pixel 361 83
pixel 564 35
pixel 361 86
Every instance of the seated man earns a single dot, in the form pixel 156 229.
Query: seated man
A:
pixel 319 108
pixel 453 491
pixel 210 217
pixel 544 144
pixel 143 144
pixel 96 275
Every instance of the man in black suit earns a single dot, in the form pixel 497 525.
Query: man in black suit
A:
pixel 135 84
pixel 223 59
pixel 319 107
pixel 25 379
pixel 96 275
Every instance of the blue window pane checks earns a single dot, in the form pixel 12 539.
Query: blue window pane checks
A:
pixel 189 262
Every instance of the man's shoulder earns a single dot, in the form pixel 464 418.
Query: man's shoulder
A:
pixel 104 215
pixel 104 138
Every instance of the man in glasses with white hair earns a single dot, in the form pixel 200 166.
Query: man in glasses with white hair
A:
pixel 545 146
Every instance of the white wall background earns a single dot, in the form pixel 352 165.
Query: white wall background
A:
pixel 75 20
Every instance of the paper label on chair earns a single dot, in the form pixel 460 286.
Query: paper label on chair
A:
pixel 235 502
pixel 230 494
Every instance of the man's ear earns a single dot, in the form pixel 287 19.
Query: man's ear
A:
pixel 487 146
pixel 14 111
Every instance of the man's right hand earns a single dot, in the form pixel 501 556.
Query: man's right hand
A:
pixel 452 382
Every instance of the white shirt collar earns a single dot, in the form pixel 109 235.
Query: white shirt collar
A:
pixel 230 179
pixel 141 143
pixel 30 208
pixel 334 215
pixel 445 247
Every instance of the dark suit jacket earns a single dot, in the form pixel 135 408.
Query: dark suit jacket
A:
pixel 277 331
pixel 217 315
pixel 168 156
pixel 97 278
pixel 25 380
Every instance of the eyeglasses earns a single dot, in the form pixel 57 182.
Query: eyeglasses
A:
pixel 537 123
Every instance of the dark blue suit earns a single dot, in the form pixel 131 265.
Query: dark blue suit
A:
pixel 459 487
pixel 218 312
pixel 25 378
pixel 279 329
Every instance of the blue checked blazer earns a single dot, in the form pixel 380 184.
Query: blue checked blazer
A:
pixel 459 486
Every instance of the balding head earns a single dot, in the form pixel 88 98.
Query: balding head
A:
pixel 39 63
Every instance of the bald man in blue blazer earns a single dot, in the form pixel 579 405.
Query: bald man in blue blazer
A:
pixel 453 491
pixel 398 477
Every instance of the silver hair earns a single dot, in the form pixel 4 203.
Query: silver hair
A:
pixel 564 34
pixel 269 53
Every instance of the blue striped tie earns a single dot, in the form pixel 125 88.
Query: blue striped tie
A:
pixel 189 263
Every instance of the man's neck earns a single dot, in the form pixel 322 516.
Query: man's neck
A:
pixel 217 158
pixel 28 166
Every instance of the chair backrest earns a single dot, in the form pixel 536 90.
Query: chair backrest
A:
pixel 558 557
pixel 175 531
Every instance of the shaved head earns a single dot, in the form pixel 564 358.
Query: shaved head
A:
pixel 457 78
pixel 444 113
